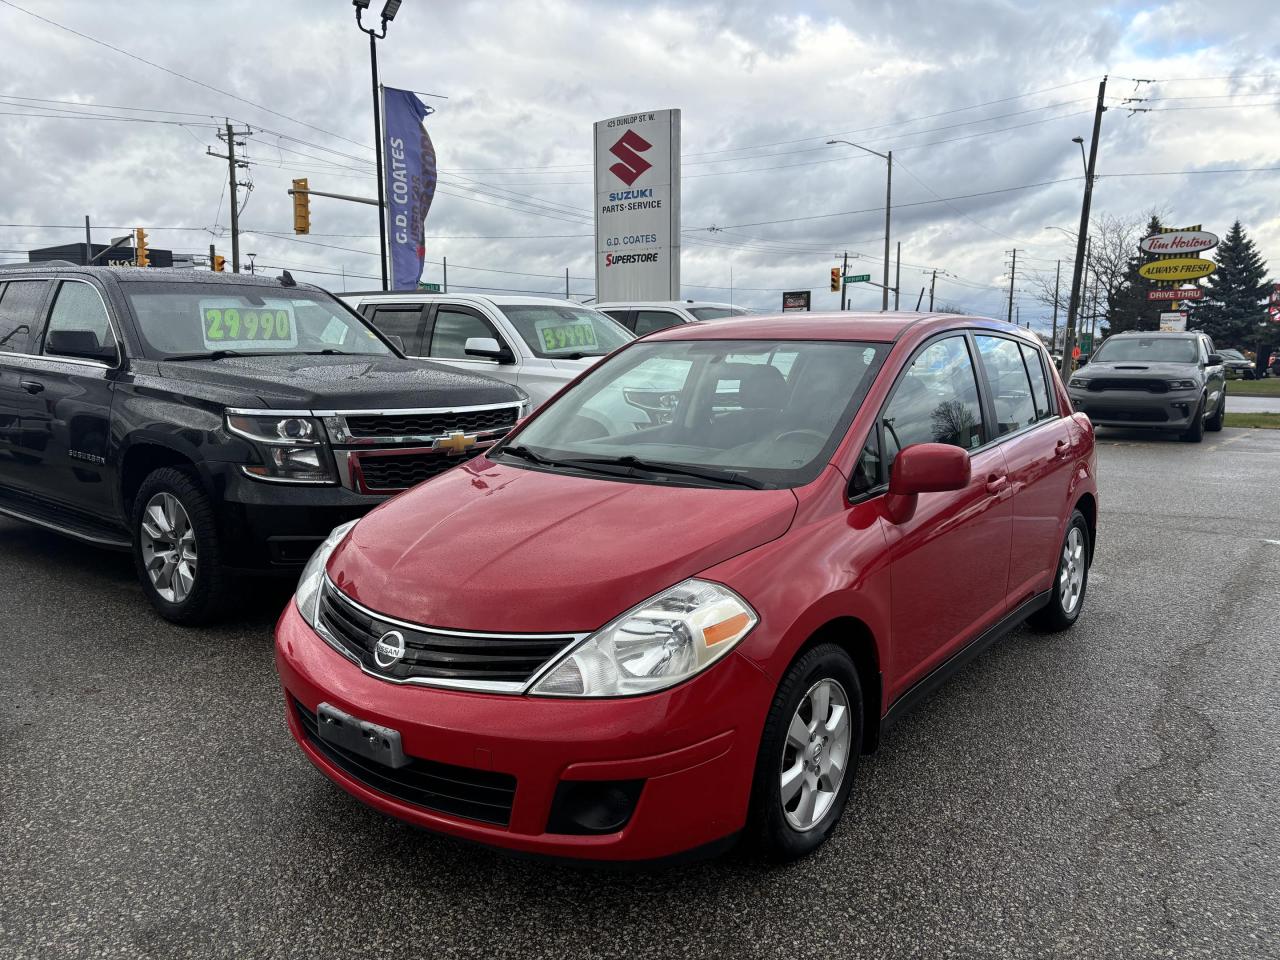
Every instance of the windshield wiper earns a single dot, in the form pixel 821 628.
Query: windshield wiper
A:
pixel 215 355
pixel 675 469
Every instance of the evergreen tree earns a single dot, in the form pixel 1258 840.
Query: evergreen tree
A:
pixel 1129 308
pixel 1234 306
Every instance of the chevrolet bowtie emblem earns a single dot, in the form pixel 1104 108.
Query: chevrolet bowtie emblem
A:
pixel 456 442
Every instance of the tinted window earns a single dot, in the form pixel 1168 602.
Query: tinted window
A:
pixel 18 309
pixel 79 309
pixel 453 328
pixel 1010 387
pixel 403 321
pixel 648 321
pixel 1039 383
pixel 935 401
pixel 715 313
pixel 619 315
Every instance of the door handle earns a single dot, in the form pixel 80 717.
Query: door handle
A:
pixel 31 386
pixel 997 484
pixel 1062 446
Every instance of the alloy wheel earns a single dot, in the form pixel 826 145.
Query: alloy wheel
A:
pixel 1071 572
pixel 168 547
pixel 816 755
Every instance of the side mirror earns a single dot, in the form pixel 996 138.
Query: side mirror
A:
pixel 924 468
pixel 488 348
pixel 81 344
pixel 397 342
pixel 1215 360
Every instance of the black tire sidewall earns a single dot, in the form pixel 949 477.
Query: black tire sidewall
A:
pixel 199 605
pixel 1052 617
pixel 775 837
pixel 1195 432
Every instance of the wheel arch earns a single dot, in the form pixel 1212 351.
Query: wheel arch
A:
pixel 854 636
pixel 144 456
pixel 1088 505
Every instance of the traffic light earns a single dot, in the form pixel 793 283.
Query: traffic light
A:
pixel 219 263
pixel 141 255
pixel 835 279
pixel 301 207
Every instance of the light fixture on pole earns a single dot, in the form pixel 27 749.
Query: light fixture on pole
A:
pixel 1083 159
pixel 389 11
pixel 888 206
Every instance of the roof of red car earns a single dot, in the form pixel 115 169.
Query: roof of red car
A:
pixel 875 327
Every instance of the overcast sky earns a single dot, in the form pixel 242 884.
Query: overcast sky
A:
pixel 972 97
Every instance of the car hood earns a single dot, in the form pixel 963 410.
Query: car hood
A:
pixel 342 382
pixel 489 546
pixel 1138 370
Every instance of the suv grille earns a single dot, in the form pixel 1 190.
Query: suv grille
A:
pixel 391 473
pixel 461 791
pixel 431 424
pixel 503 663
pixel 1097 384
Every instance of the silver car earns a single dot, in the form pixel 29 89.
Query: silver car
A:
pixel 1164 381
pixel 537 343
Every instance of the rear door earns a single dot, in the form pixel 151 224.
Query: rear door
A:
pixel 1215 377
pixel 1037 452
pixel 21 306
pixel 451 325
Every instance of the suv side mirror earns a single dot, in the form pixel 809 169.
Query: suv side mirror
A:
pixel 924 468
pixel 488 348
pixel 397 342
pixel 1215 360
pixel 81 344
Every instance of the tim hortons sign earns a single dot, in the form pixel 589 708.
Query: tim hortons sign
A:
pixel 1180 242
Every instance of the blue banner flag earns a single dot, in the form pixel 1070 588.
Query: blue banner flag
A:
pixel 410 169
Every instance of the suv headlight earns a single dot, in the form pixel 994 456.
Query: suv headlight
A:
pixel 1080 383
pixel 1182 384
pixel 662 642
pixel 293 448
pixel 308 593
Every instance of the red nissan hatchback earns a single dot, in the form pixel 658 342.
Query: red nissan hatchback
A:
pixel 677 603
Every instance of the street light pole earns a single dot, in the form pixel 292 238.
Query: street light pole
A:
pixel 1091 166
pixel 388 14
pixel 888 207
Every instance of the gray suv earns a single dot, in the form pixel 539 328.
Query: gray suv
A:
pixel 1166 381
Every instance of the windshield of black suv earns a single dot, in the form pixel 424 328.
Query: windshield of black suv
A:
pixel 1148 350
pixel 196 320
pixel 566 332
pixel 750 413
pixel 715 313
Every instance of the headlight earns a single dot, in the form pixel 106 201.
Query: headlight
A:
pixel 308 592
pixel 656 645
pixel 293 448
pixel 1182 384
pixel 1079 382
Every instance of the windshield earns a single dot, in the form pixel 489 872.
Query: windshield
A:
pixel 755 413
pixel 715 313
pixel 1148 350
pixel 193 320
pixel 566 332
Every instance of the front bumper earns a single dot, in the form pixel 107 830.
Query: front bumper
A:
pixel 1137 408
pixel 693 748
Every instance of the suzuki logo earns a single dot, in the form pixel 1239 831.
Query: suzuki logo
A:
pixel 628 150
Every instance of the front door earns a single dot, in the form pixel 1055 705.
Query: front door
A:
pixel 949 563
pixel 451 326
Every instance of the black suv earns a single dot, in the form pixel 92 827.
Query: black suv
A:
pixel 214 424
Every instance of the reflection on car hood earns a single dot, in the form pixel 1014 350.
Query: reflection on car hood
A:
pixel 489 546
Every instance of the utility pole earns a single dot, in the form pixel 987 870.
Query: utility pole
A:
pixel 888 208
pixel 932 283
pixel 566 283
pixel 445 262
pixel 88 241
pixel 844 293
pixel 1013 273
pixel 1074 305
pixel 388 14
pixel 1057 283
pixel 232 165
pixel 897 277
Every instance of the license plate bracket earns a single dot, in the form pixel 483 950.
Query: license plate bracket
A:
pixel 361 737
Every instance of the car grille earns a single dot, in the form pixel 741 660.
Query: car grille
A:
pixel 391 473
pixel 502 663
pixel 431 424
pixel 1134 415
pixel 1097 384
pixel 460 791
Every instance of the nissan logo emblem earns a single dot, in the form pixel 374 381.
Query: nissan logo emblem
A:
pixel 389 650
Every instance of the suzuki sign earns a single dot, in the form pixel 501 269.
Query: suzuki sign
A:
pixel 637 176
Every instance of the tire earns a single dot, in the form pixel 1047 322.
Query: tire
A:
pixel 1195 432
pixel 199 595
pixel 1214 423
pixel 772 822
pixel 1064 606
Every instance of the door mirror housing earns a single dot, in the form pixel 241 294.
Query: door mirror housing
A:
pixel 489 349
pixel 924 468
pixel 81 344
pixel 1215 360
pixel 397 342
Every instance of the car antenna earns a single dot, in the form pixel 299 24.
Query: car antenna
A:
pixel 286 279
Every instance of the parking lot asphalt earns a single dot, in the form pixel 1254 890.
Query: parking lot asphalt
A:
pixel 1109 792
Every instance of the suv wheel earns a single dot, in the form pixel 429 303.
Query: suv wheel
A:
pixel 808 754
pixel 1195 432
pixel 176 549
pixel 1070 582
pixel 1214 423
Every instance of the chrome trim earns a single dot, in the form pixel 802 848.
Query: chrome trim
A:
pixel 251 412
pixel 56 358
pixel 481 686
pixel 244 468
pixel 115 330
pixel 411 411
pixel 276 442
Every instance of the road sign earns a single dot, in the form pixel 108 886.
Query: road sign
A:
pixel 1075 352
pixel 859 278
pixel 793 300
pixel 1086 342
pixel 1174 321
pixel 429 287
pixel 1191 293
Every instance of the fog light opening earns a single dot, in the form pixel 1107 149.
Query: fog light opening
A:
pixel 593 806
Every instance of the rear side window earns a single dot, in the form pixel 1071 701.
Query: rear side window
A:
pixel 1010 386
pixel 648 321
pixel 78 312
pixel 935 401
pixel 19 308
pixel 403 321
pixel 1039 384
